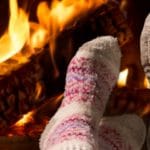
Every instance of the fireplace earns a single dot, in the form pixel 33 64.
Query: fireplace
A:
pixel 32 77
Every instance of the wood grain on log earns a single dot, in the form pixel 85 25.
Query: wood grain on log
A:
pixel 129 100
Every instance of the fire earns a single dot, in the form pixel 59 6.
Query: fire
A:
pixel 63 12
pixel 18 32
pixel 60 16
pixel 122 80
pixel 146 110
pixel 146 83
pixel 25 119
pixel 124 5
pixel 39 36
pixel 52 19
pixel 37 118
pixel 38 90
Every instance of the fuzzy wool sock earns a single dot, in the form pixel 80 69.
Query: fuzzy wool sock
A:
pixel 126 132
pixel 145 47
pixel 91 74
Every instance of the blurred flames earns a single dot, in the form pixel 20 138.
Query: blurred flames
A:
pixel 60 15
pixel 122 80
pixel 38 36
pixel 53 18
pixel 32 123
pixel 18 32
pixel 146 110
pixel 38 90
pixel 27 125
pixel 146 83
pixel 25 119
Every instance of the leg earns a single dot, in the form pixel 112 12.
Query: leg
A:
pixel 90 77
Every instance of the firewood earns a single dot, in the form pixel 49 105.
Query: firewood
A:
pixel 18 93
pixel 128 100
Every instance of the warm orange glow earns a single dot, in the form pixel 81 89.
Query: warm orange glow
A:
pixel 38 90
pixel 39 36
pixel 25 119
pixel 123 5
pixel 18 32
pixel 63 12
pixel 61 15
pixel 31 119
pixel 146 110
pixel 122 80
pixel 10 135
pixel 146 83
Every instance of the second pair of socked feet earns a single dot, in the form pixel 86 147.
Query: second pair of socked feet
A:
pixel 79 123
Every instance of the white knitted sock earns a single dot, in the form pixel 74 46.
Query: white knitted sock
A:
pixel 145 47
pixel 126 132
pixel 90 77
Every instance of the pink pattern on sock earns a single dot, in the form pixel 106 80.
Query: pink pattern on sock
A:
pixel 85 83
pixel 111 139
pixel 90 78
pixel 76 126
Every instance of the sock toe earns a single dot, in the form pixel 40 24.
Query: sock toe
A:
pixel 129 130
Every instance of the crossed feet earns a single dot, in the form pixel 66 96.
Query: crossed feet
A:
pixel 79 123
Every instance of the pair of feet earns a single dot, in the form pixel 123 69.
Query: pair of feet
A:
pixel 79 123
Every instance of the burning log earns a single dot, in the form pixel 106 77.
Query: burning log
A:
pixel 26 88
pixel 105 20
pixel 128 100
pixel 38 118
pixel 18 142
pixel 17 90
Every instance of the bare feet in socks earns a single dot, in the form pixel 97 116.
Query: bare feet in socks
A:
pixel 91 75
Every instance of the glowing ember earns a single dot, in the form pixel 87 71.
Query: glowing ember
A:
pixel 146 110
pixel 122 80
pixel 123 5
pixel 25 119
pixel 37 118
pixel 18 32
pixel 38 90
pixel 146 83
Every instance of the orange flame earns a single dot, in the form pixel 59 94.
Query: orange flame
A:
pixel 62 14
pixel 18 32
pixel 38 90
pixel 39 36
pixel 146 110
pixel 25 119
pixel 146 83
pixel 122 80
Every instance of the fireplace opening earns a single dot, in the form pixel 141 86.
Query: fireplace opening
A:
pixel 36 45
